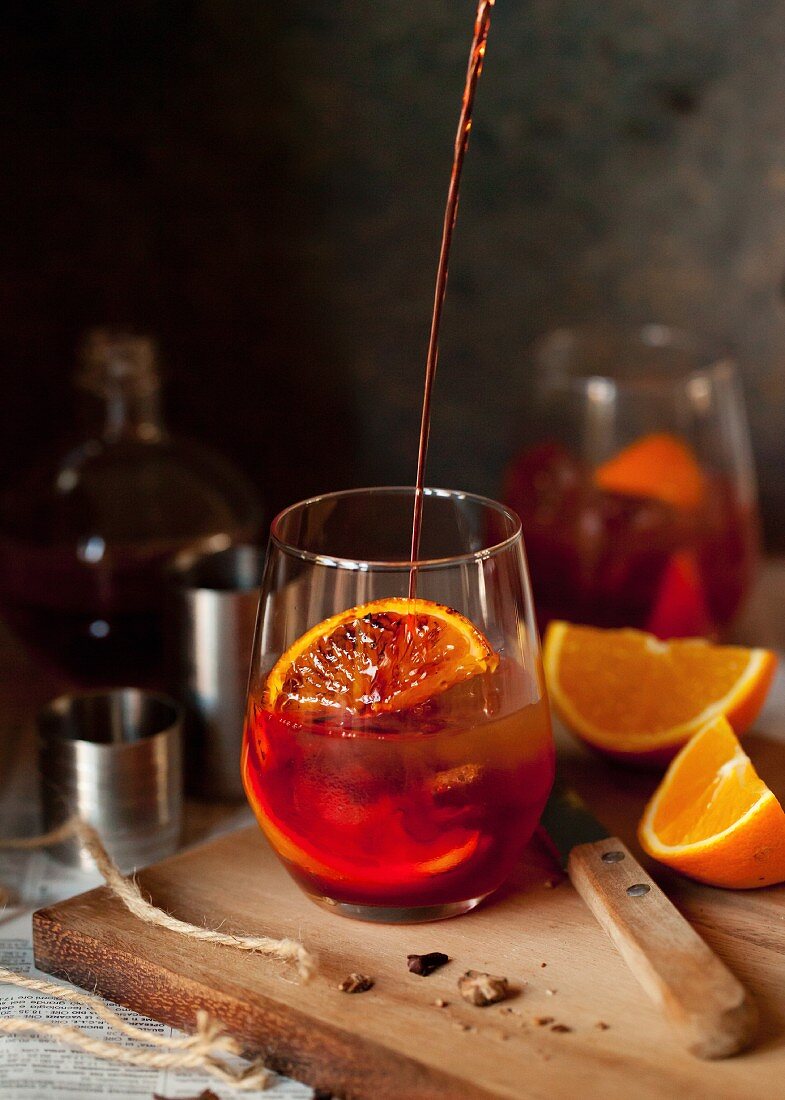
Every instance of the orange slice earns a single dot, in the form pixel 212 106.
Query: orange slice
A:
pixel 680 607
pixel 713 818
pixel 639 699
pixel 379 657
pixel 658 466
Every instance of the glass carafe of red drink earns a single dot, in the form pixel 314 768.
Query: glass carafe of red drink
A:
pixel 634 481
pixel 85 536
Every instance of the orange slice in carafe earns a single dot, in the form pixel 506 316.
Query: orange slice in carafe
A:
pixel 380 657
pixel 658 466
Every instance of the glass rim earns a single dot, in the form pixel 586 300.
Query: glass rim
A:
pixel 368 564
pixel 711 362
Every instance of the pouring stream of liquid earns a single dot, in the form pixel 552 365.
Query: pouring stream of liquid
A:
pixel 477 54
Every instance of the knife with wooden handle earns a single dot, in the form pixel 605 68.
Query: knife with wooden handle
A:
pixel 709 1007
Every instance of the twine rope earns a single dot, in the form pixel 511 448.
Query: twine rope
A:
pixel 196 1051
pixel 206 1027
pixel 44 840
pixel 127 890
pixel 198 1056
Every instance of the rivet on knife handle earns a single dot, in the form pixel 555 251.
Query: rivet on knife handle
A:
pixel 711 1009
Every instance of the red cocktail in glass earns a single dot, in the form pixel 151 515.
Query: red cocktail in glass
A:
pixel 398 753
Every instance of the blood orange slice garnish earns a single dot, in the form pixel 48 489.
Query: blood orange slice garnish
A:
pixel 383 656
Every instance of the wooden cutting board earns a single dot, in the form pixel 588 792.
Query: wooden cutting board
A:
pixel 393 1041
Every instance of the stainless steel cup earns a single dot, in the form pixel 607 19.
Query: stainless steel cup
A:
pixel 211 615
pixel 114 757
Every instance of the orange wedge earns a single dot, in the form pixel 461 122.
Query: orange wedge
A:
pixel 680 607
pixel 639 699
pixel 658 466
pixel 382 656
pixel 713 818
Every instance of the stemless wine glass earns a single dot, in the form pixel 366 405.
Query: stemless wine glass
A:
pixel 410 812
pixel 635 484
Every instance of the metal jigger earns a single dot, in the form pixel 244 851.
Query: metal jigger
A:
pixel 211 615
pixel 114 758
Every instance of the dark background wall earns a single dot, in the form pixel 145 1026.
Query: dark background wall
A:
pixel 262 185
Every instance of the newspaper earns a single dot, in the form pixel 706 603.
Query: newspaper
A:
pixel 32 1068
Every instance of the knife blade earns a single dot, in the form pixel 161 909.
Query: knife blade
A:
pixel 711 1010
pixel 568 822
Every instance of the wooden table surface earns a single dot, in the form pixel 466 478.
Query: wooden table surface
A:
pixel 746 928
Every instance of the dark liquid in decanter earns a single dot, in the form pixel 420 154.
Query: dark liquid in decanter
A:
pixel 85 537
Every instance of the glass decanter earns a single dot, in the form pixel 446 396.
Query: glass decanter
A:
pixel 85 536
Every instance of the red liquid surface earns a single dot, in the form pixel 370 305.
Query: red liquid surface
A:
pixel 614 560
pixel 411 809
